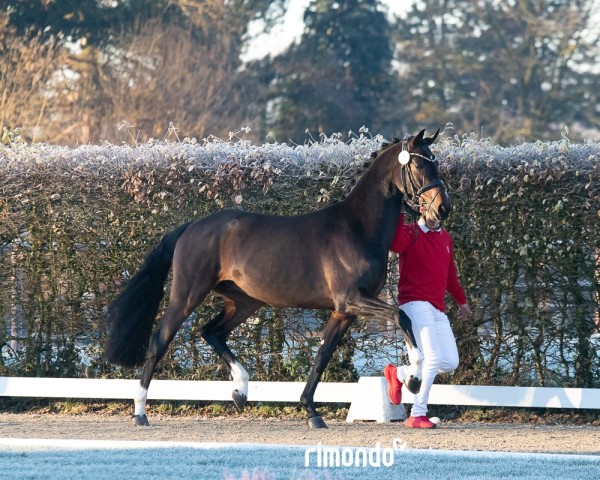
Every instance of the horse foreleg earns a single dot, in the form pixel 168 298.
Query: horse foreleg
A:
pixel 415 357
pixel 336 327
pixel 367 306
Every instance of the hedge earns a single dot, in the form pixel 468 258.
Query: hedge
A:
pixel 76 222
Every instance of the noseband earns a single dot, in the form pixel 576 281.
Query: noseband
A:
pixel 414 202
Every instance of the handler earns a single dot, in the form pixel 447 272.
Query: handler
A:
pixel 426 271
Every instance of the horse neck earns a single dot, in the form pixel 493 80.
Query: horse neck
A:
pixel 375 203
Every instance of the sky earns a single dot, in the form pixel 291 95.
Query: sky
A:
pixel 292 26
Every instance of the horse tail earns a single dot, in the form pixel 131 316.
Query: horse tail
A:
pixel 131 315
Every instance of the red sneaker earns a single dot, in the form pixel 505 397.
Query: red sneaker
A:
pixel 419 422
pixel 394 385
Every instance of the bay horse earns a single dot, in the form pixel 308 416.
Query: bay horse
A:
pixel 332 259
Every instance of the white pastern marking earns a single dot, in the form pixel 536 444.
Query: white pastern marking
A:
pixel 415 356
pixel 413 371
pixel 140 401
pixel 416 363
pixel 240 378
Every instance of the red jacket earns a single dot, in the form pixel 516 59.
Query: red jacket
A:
pixel 426 266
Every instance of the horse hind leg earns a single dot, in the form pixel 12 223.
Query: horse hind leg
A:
pixel 238 307
pixel 179 309
pixel 159 342
pixel 336 327
pixel 240 378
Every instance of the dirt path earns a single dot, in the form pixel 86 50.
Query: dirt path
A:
pixel 453 436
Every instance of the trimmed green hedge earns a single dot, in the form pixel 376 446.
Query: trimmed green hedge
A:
pixel 75 221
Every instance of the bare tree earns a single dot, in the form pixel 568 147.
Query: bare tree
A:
pixel 27 68
pixel 166 75
pixel 186 71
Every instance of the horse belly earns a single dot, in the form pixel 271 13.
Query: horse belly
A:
pixel 283 282
pixel 275 260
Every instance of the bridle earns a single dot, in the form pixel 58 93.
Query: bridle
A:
pixel 414 202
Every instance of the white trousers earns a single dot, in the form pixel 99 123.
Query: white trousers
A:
pixel 435 339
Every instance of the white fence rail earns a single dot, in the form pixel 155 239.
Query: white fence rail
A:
pixel 469 395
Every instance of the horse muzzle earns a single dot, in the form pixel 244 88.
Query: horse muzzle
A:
pixel 444 209
pixel 437 203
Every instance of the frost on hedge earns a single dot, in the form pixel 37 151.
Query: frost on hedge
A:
pixel 322 157
pixel 209 154
pixel 215 170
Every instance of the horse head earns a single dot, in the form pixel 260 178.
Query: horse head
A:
pixel 418 177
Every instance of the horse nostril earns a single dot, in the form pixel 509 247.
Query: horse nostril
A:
pixel 443 211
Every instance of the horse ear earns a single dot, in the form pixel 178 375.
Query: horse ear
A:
pixel 430 140
pixel 419 138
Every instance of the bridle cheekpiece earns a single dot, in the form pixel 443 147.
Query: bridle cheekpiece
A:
pixel 404 158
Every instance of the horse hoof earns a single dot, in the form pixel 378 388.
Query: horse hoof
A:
pixel 413 385
pixel 140 420
pixel 239 399
pixel 316 422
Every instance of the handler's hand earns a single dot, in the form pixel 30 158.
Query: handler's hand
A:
pixel 464 311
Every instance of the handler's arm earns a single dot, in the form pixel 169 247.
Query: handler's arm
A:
pixel 455 288
pixel 402 237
